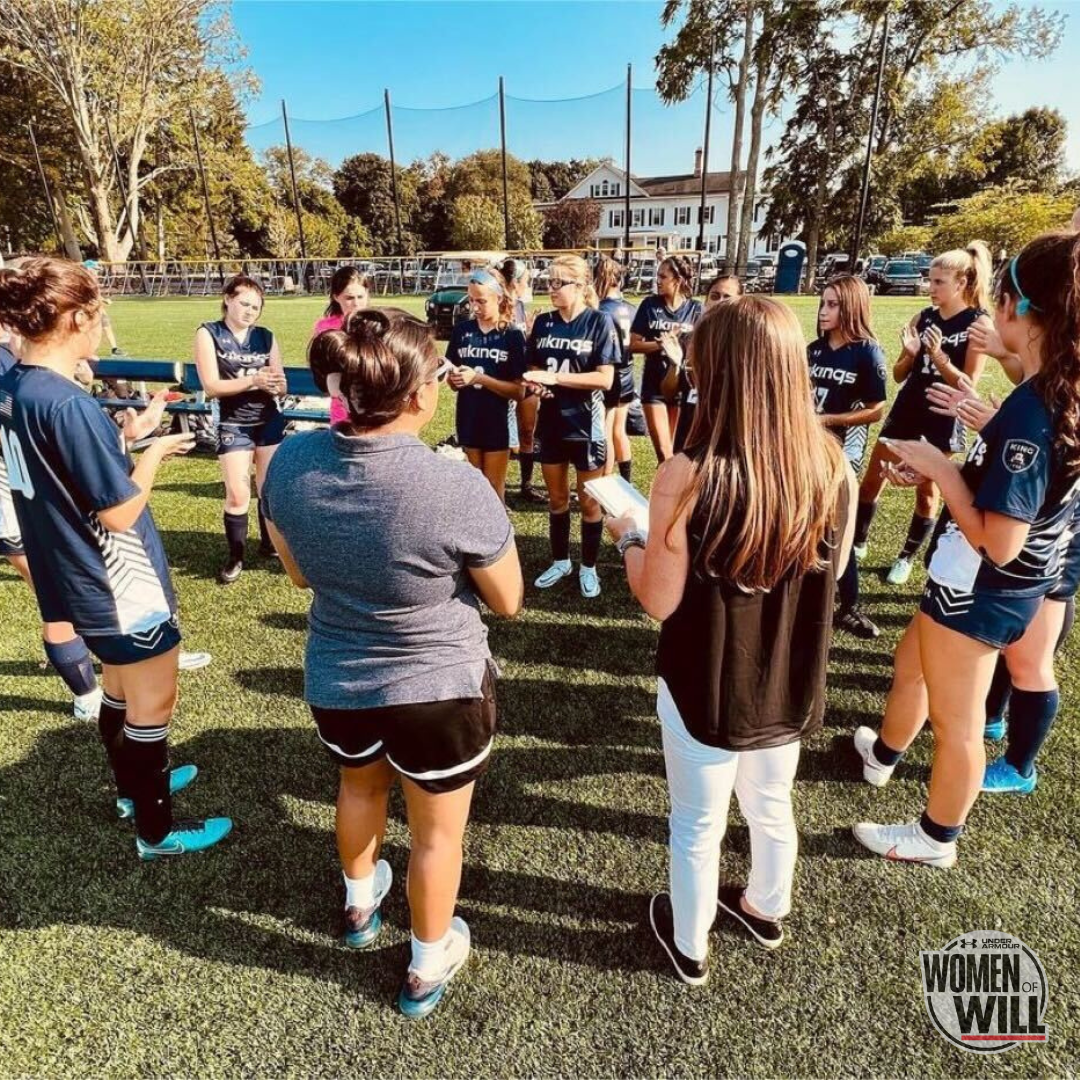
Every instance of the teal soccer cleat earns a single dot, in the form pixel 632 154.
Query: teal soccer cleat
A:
pixel 185 837
pixel 179 778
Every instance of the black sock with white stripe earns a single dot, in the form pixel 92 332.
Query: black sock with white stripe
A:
pixel 146 774
pixel 111 732
pixel 236 529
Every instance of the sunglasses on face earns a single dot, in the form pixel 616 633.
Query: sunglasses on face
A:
pixel 442 371
pixel 555 285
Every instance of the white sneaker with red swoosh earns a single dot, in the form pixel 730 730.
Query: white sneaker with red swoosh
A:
pixel 905 843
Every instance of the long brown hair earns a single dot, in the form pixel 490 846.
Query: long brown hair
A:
pixel 1047 274
pixel 608 276
pixel 854 299
pixel 766 475
pixel 343 277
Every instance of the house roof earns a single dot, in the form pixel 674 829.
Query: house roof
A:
pixel 685 184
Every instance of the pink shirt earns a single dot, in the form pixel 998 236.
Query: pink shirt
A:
pixel 338 410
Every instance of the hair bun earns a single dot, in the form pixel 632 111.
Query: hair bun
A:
pixel 368 322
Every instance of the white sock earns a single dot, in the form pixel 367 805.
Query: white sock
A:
pixel 359 892
pixel 429 957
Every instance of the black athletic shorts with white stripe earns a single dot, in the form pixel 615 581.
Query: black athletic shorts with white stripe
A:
pixel 439 745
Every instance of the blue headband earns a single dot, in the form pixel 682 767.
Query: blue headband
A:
pixel 1023 304
pixel 485 277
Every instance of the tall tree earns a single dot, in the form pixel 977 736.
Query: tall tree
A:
pixel 362 186
pixel 132 63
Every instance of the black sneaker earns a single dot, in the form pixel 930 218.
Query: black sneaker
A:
pixel 767 933
pixel 530 494
pixel 662 919
pixel 230 571
pixel 855 622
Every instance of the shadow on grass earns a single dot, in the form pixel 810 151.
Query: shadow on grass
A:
pixel 269 897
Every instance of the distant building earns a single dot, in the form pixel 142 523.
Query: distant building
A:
pixel 665 210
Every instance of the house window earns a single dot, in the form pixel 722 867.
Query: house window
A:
pixel 708 215
pixel 615 219
pixel 773 243
pixel 637 218
pixel 604 189
pixel 594 190
pixel 656 215
pixel 615 189
pixel 682 215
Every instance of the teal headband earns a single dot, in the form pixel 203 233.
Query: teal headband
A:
pixel 1023 304
pixel 485 277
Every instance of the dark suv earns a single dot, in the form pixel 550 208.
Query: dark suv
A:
pixel 900 276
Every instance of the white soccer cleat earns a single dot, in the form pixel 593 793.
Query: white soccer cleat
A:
pixel 905 843
pixel 589 580
pixel 873 771
pixel 899 572
pixel 87 707
pixel 193 661
pixel 554 574
pixel 860 551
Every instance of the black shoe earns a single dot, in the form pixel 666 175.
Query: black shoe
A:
pixel 530 494
pixel 662 919
pixel 230 571
pixel 267 550
pixel 768 934
pixel 855 622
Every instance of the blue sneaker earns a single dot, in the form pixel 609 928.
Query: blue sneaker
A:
pixel 419 996
pixel 363 925
pixel 179 778
pixel 996 728
pixel 1001 778
pixel 186 836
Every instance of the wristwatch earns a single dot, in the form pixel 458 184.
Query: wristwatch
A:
pixel 633 538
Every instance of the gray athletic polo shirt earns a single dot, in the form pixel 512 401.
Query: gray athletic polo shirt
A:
pixel 385 531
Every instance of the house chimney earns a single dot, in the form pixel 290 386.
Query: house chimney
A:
pixel 697 162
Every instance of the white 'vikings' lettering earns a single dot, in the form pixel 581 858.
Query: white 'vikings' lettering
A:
pixel 553 341
pixel 837 375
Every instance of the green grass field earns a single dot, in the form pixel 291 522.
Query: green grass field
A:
pixel 226 964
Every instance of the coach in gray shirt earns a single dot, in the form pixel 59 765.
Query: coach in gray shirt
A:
pixel 398 546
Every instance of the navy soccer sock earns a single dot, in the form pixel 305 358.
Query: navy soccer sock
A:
pixel 559 531
pixel 943 834
pixel 73 664
pixel 918 531
pixel 1031 716
pixel 236 528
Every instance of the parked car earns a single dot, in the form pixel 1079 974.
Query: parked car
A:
pixel 900 276
pixel 449 303
pixel 922 262
pixel 873 270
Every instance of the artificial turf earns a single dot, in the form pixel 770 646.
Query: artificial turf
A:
pixel 227 964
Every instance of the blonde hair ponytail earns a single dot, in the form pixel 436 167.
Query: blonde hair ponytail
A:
pixel 577 269
pixel 974 265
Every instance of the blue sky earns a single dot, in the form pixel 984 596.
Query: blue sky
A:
pixel 333 59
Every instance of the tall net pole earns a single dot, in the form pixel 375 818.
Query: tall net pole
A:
pixel 626 198
pixel 292 179
pixel 45 187
pixel 705 151
pixel 393 179
pixel 856 240
pixel 505 180
pixel 206 196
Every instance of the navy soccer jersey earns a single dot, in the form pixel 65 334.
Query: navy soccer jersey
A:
pixel 66 463
pixel 577 347
pixel 9 525
pixel 483 417
pixel 910 416
pixel 652 319
pixel 846 380
pixel 237 361
pixel 622 315
pixel 1014 470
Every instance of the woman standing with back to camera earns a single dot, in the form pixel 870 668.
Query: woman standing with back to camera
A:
pixel 397 670
pixel 934 349
pixel 240 368
pixel 748 530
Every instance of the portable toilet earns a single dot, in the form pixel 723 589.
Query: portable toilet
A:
pixel 789 266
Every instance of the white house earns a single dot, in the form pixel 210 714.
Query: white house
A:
pixel 664 210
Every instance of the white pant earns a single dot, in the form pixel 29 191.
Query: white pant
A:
pixel 700 779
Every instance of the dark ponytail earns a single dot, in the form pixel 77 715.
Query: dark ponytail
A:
pixel 682 270
pixel 383 356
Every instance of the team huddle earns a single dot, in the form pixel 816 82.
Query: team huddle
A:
pixel 1003 562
